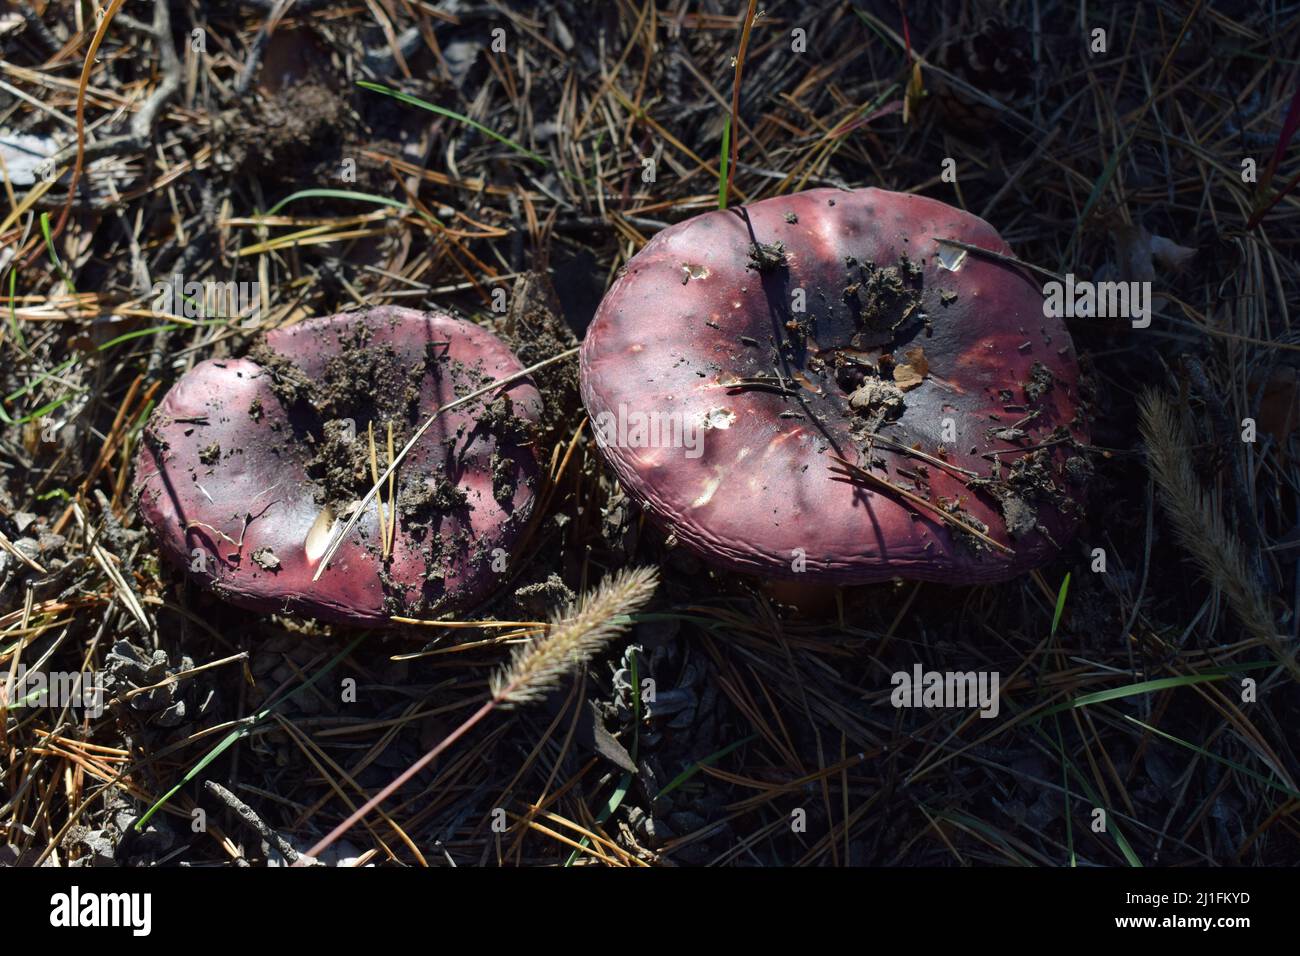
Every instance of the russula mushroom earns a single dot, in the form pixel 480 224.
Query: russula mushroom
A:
pixel 817 387
pixel 248 466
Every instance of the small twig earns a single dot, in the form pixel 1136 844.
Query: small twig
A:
pixel 13 549
pixel 899 447
pixel 195 523
pixel 181 675
pixel 1020 449
pixel 275 13
pixel 249 816
pixel 999 257
pixel 764 382
pixel 39 31
pixel 142 123
pixel 100 32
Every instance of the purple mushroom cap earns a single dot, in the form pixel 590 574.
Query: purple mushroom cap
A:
pixel 741 353
pixel 249 465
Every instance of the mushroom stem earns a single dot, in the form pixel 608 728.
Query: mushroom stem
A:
pixel 808 597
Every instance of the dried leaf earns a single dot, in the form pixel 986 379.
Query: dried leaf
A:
pixel 908 375
pixel 1139 253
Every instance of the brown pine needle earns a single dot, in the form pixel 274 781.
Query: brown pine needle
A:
pixel 898 446
pixel 745 29
pixel 856 473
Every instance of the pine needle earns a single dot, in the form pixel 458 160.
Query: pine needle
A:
pixel 374 475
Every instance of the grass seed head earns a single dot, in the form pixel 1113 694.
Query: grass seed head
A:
pixel 575 636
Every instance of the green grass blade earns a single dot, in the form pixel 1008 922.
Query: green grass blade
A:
pixel 974 823
pixel 68 363
pixel 65 364
pixel 54 256
pixel 45 409
pixel 724 163
pixel 1143 687
pixel 1259 777
pixel 452 114
pixel 625 782
pixel 1115 832
pixel 1065 788
pixel 1060 603
pixel 695 768
pixel 13 310
pixel 1060 736
pixel 337 194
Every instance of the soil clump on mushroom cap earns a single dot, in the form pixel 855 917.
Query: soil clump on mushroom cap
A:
pixel 369 386
pixel 364 387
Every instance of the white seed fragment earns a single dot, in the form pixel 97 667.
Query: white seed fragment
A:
pixel 710 488
pixel 318 538
pixel 951 257
pixel 719 418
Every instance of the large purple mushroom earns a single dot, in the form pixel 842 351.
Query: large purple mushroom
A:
pixel 816 386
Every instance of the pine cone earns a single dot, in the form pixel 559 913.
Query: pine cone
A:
pixel 996 60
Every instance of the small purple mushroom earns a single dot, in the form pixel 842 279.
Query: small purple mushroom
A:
pixel 249 466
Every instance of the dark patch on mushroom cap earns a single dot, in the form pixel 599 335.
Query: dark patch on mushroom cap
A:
pixel 762 492
pixel 223 521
